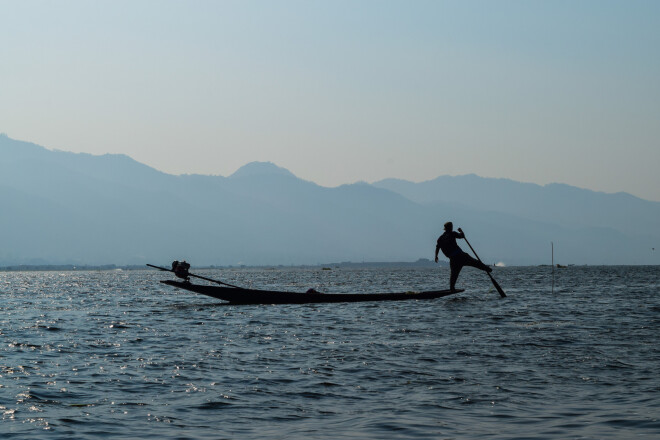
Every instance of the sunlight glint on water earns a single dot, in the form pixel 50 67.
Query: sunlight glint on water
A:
pixel 116 354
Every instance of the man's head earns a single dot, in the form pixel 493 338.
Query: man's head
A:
pixel 449 226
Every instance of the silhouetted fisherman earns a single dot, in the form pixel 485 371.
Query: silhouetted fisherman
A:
pixel 457 258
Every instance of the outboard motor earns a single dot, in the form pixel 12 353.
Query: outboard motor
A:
pixel 180 269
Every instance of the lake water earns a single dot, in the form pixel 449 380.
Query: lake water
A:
pixel 115 354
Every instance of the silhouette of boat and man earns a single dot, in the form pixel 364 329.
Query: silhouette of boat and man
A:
pixel 239 295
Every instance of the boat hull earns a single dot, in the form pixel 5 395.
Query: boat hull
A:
pixel 253 296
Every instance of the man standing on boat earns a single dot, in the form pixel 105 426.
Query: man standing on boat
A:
pixel 457 258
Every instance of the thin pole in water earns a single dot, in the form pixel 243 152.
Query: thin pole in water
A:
pixel 552 245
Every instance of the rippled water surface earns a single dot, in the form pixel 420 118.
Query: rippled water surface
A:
pixel 115 354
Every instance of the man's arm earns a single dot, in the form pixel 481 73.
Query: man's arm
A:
pixel 437 248
pixel 459 234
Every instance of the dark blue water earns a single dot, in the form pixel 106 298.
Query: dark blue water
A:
pixel 117 355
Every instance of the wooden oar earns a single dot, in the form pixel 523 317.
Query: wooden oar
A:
pixel 495 283
pixel 196 276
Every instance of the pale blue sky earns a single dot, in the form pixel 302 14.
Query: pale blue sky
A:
pixel 340 91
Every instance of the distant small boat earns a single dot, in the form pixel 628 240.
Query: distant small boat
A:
pixel 253 296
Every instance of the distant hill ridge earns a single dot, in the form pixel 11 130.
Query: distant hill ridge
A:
pixel 260 169
pixel 554 203
pixel 68 208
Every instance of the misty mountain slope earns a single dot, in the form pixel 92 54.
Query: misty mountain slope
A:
pixel 110 168
pixel 353 213
pixel 59 207
pixel 555 203
pixel 253 169
pixel 253 217
pixel 362 218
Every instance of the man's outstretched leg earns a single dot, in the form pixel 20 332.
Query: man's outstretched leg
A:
pixel 456 264
pixel 469 261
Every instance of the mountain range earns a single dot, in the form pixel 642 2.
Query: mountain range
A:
pixel 66 208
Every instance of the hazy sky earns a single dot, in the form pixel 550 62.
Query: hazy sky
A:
pixel 340 91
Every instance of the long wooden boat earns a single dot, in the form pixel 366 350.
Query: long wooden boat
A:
pixel 253 296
